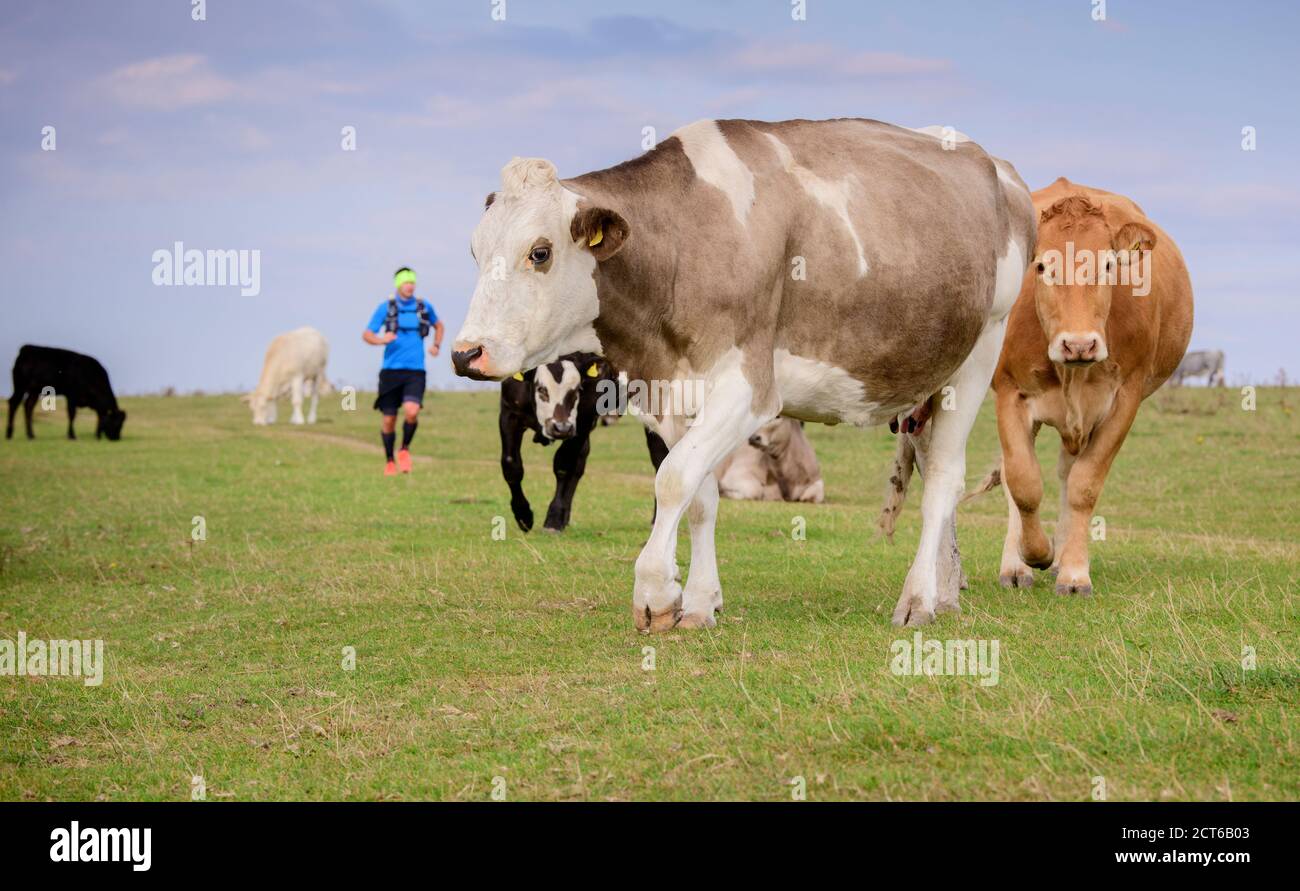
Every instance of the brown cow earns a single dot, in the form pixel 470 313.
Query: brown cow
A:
pixel 1083 349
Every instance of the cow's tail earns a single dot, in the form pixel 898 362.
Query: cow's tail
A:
pixel 899 477
pixel 991 481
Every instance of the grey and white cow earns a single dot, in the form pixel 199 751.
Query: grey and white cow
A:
pixel 842 270
pixel 1200 363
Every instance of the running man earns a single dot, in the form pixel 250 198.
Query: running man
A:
pixel 399 325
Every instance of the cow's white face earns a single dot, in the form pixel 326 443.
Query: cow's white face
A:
pixel 263 409
pixel 537 251
pixel 556 388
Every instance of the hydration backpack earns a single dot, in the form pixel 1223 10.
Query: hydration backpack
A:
pixel 390 321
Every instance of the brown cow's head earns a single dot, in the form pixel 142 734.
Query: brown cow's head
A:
pixel 537 247
pixel 1080 260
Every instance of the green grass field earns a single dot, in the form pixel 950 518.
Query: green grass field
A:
pixel 479 658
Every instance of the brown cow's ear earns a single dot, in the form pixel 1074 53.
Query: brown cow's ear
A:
pixel 492 196
pixel 1133 237
pixel 599 229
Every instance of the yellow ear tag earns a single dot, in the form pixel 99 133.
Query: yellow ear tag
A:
pixel 592 372
pixel 1136 245
pixel 519 375
pixel 596 238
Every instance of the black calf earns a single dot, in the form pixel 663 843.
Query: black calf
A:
pixel 558 403
pixel 79 379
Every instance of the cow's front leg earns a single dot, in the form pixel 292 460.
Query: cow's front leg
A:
pixel 702 596
pixel 296 395
pixel 569 465
pixel 1023 481
pixel 72 417
pixel 512 468
pixel 1087 477
pixel 726 420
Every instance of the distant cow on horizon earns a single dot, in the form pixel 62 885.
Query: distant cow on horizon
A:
pixel 295 364
pixel 1200 363
pixel 81 380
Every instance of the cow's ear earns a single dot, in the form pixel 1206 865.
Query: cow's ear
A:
pixel 1133 237
pixel 492 196
pixel 600 230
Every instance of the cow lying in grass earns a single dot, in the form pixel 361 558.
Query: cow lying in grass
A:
pixel 295 364
pixel 81 380
pixel 558 402
pixel 776 464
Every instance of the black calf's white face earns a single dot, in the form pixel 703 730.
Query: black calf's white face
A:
pixel 556 387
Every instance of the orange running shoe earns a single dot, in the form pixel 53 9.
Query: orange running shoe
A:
pixel 390 469
pixel 404 461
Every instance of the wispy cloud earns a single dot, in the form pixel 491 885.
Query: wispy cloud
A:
pixel 169 83
pixel 825 59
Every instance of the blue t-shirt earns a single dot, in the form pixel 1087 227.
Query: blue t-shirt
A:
pixel 407 352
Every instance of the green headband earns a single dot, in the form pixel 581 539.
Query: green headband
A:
pixel 403 277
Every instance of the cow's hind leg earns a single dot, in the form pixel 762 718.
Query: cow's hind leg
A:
pixel 1015 572
pixel 941 455
pixel 1063 465
pixel 72 417
pixel 725 421
pixel 14 401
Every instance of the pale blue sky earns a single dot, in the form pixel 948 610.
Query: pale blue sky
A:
pixel 226 134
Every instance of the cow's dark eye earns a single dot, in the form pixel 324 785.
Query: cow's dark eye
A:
pixel 540 255
pixel 541 393
pixel 1041 268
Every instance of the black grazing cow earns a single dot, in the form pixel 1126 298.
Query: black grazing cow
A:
pixel 81 380
pixel 557 402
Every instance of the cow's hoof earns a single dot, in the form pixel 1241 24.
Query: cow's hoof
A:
pixel 1079 587
pixel 947 606
pixel 1019 578
pixel 911 613
pixel 651 623
pixel 553 529
pixel 697 620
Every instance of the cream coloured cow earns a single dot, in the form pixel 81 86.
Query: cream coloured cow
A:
pixel 776 464
pixel 841 270
pixel 295 364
